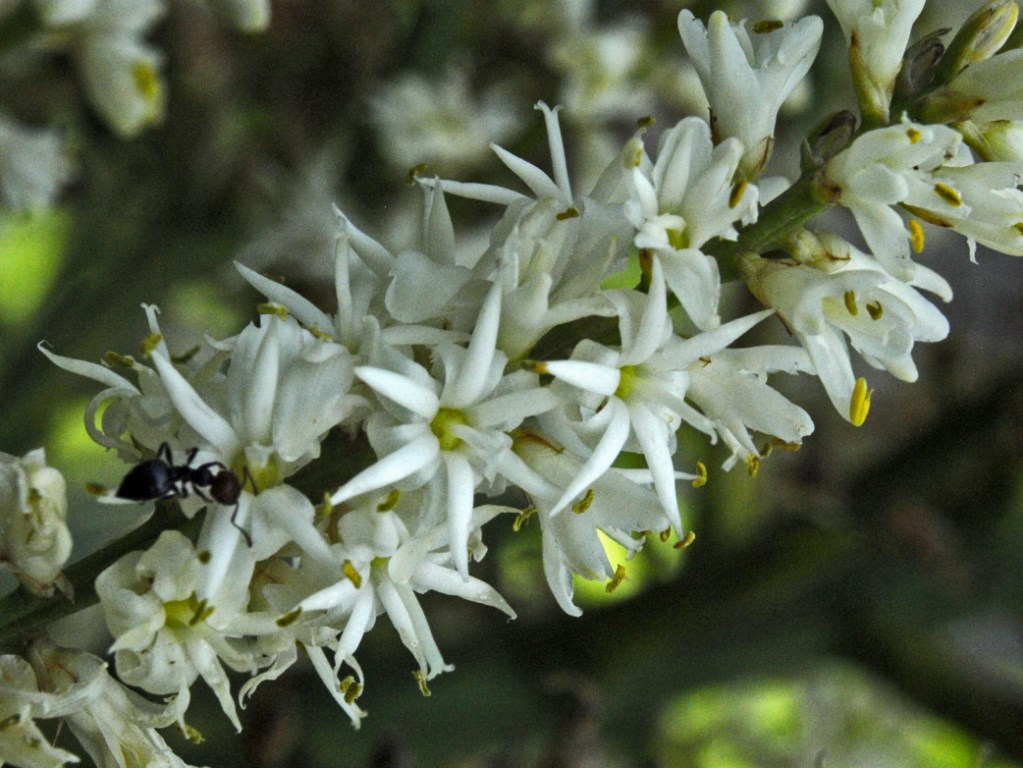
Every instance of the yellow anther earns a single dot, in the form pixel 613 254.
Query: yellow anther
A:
pixel 569 213
pixel 193 734
pixel 185 356
pixel 390 502
pixel 536 366
pixel 321 335
pixel 1018 227
pixel 916 235
pixel 646 122
pixel 187 612
pixel 701 478
pixel 204 556
pixel 352 574
pixel 767 25
pixel 913 134
pixel 289 618
pixel 584 503
pixel 949 194
pixel 414 173
pixel 273 308
pixel 664 535
pixel 151 342
pixel 420 679
pixel 859 405
pixel 738 190
pixel 146 80
pixel 704 361
pixel 850 303
pixel 351 688
pixel 115 358
pixel 522 517
pixel 617 579
pixel 753 465
pixel 688 539
pixel 10 722
pixel 326 509
pixel 96 489
pixel 677 239
pixel 876 310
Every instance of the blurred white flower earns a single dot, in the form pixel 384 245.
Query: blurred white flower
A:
pixel 34 538
pixel 34 165
pixel 22 743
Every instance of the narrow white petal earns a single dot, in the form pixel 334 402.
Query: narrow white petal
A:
pixel 93 371
pixel 557 147
pixel 461 484
pixel 261 388
pixel 304 310
pixel 650 333
pixel 508 411
pixel 475 370
pixel 393 467
pixel 486 193
pixel 652 434
pixel 401 389
pixel 593 377
pixel 326 674
pixel 538 181
pixel 200 417
pixel 430 576
pixel 603 455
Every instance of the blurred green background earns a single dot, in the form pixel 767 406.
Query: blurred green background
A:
pixel 858 604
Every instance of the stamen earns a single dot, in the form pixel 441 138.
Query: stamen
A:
pixel 273 308
pixel 151 342
pixel 916 235
pixel 948 194
pixel 352 574
pixel 584 503
pixel 646 122
pixel 523 517
pixel 859 405
pixel 738 190
pixel 688 539
pixel 850 303
pixel 701 470
pixel 351 688
pixel 876 310
pixel 115 358
pixel 414 172
pixel 617 579
pixel 289 618
pixel 767 25
pixel 390 502
pixel 914 135
pixel 753 465
pixel 569 213
pixel 664 535
pixel 420 679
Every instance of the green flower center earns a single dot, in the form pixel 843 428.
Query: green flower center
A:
pixel 628 375
pixel 182 614
pixel 442 426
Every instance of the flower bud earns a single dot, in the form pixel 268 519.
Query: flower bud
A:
pixel 980 37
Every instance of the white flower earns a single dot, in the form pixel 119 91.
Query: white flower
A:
pixel 883 168
pixel 458 424
pixel 385 566
pixel 166 636
pixel 986 90
pixel 730 388
pixel 994 140
pixel 34 165
pixel 441 121
pixel 688 197
pixel 617 507
pixel 840 290
pixel 22 743
pixel 119 70
pixel 747 78
pixel 34 538
pixel 877 32
pixel 114 725
pixel 633 399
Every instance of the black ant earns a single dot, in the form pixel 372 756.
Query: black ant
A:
pixel 161 478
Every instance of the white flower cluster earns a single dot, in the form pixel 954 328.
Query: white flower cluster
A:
pixel 522 369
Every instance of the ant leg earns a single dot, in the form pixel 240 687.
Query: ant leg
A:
pixel 248 478
pixel 242 531
pixel 163 453
pixel 190 456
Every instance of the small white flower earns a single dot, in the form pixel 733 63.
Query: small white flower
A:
pixel 688 197
pixel 458 425
pixel 616 507
pixel 633 399
pixel 840 290
pixel 34 165
pixel 114 725
pixel 877 32
pixel 747 78
pixel 34 538
pixel 22 743
pixel 883 168
pixel 166 636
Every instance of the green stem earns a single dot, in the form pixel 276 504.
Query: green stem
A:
pixel 26 615
pixel 797 205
